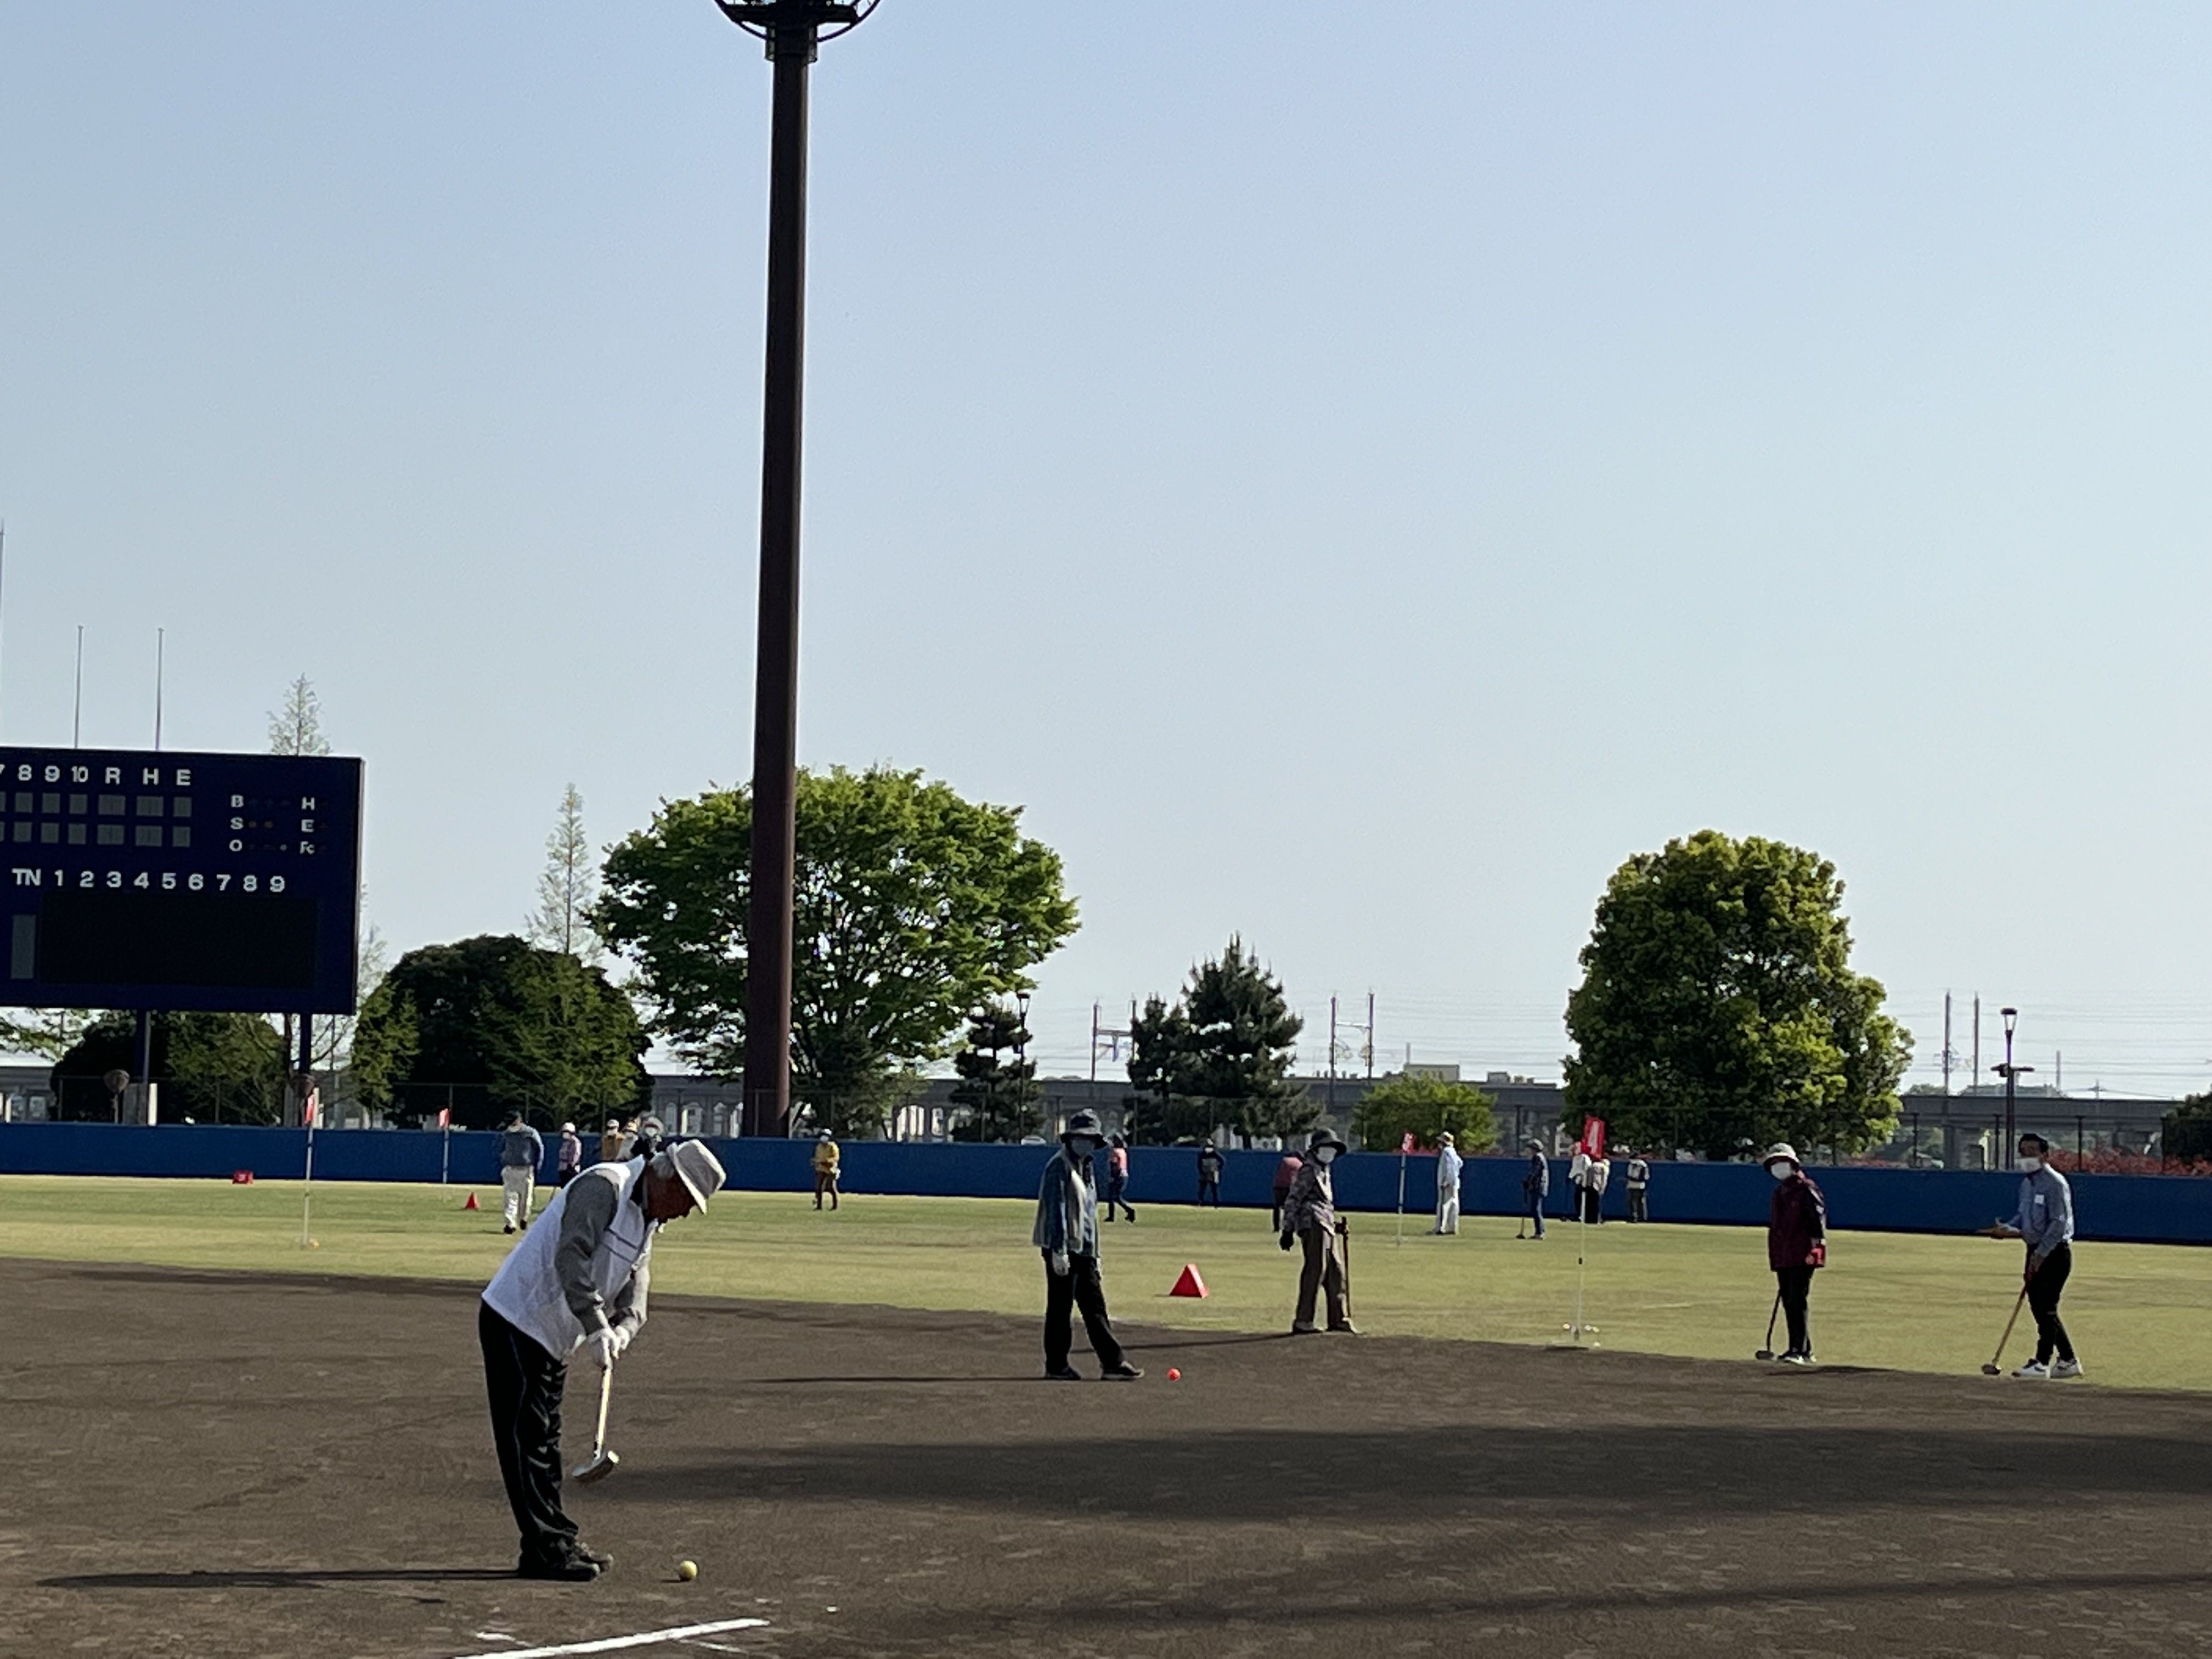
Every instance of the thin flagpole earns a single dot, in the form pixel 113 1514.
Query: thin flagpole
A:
pixel 77 721
pixel 160 663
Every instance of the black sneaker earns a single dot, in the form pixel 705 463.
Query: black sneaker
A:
pixel 1065 1374
pixel 584 1551
pixel 1124 1372
pixel 560 1568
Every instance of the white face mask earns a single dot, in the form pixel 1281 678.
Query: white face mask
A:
pixel 1324 1154
pixel 1778 1170
pixel 2029 1163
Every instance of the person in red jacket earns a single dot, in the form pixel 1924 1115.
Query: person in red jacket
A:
pixel 1797 1243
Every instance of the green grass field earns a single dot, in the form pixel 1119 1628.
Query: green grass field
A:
pixel 2138 1312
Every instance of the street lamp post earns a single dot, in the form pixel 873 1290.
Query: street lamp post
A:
pixel 792 30
pixel 2011 1074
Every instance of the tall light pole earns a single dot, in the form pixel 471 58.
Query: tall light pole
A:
pixel 793 30
pixel 2010 1072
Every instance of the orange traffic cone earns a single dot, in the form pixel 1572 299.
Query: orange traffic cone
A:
pixel 472 1204
pixel 1190 1283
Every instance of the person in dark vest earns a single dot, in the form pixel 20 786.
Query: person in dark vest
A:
pixel 1797 1244
pixel 1209 1174
pixel 1535 1187
pixel 1066 1236
pixel 1639 1184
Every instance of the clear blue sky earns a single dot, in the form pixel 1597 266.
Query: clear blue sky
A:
pixel 1354 475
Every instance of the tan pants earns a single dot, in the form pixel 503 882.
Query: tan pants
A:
pixel 1324 1268
pixel 521 1187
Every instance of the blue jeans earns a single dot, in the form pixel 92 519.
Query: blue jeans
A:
pixel 1535 1202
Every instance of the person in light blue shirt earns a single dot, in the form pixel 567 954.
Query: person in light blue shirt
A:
pixel 2045 1224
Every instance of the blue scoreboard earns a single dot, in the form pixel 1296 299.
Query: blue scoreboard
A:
pixel 167 880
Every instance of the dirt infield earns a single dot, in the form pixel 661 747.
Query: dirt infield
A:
pixel 203 1464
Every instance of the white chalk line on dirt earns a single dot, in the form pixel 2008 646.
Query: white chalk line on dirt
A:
pixel 610 1643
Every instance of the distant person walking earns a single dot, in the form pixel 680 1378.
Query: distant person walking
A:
pixel 652 1135
pixel 611 1143
pixel 1066 1235
pixel 1117 1179
pixel 571 1159
pixel 1535 1187
pixel 1639 1181
pixel 1209 1174
pixel 1286 1174
pixel 2045 1222
pixel 826 1158
pixel 521 1150
pixel 1448 1168
pixel 1797 1244
pixel 1310 1219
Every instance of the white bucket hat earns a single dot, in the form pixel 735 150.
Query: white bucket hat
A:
pixel 1782 1152
pixel 699 1169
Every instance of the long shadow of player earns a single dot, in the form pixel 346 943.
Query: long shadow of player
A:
pixel 270 1578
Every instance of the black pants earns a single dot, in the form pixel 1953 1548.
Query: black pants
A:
pixel 1116 1186
pixel 2043 1293
pixel 1209 1191
pixel 1796 1285
pixel 1079 1287
pixel 1637 1210
pixel 524 1383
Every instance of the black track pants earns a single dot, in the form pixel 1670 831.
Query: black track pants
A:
pixel 1796 1285
pixel 1079 1287
pixel 524 1382
pixel 2043 1293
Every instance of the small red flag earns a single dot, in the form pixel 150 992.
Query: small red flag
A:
pixel 1593 1140
pixel 445 1117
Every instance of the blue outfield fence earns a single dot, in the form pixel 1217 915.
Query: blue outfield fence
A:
pixel 2145 1209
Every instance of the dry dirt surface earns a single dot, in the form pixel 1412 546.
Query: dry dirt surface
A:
pixel 206 1464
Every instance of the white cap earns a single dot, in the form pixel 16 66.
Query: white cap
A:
pixel 1783 1152
pixel 699 1169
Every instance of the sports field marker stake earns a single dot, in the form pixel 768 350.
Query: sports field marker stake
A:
pixel 308 1187
pixel 644 1638
pixel 1767 1352
pixel 1402 1191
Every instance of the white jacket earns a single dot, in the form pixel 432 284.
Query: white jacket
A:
pixel 1447 1167
pixel 528 1291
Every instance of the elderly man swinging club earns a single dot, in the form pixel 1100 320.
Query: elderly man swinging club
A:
pixel 578 1282
pixel 1066 1235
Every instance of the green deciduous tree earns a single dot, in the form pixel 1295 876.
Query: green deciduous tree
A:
pixel 1718 1008
pixel 213 1068
pixel 1220 1055
pixel 914 907
pixel 996 1091
pixel 505 1026
pixel 1425 1108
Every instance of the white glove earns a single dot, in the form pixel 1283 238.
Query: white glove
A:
pixel 606 1344
pixel 1059 1264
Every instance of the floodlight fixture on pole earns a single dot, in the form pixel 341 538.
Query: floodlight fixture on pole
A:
pixel 792 30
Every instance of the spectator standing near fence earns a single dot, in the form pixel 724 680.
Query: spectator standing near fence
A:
pixel 610 1142
pixel 1797 1244
pixel 1309 1220
pixel 1535 1187
pixel 1209 1174
pixel 1589 1177
pixel 652 1135
pixel 2045 1222
pixel 1066 1236
pixel 571 1159
pixel 1286 1174
pixel 826 1159
pixel 521 1150
pixel 1639 1179
pixel 1448 1168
